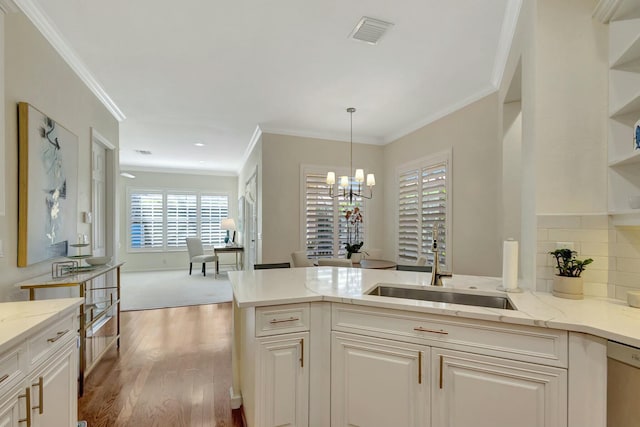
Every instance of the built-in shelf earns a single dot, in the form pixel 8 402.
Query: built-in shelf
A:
pixel 631 159
pixel 630 217
pixel 624 111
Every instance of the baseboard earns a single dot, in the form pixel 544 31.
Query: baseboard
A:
pixel 235 399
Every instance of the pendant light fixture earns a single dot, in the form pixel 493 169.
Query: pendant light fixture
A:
pixel 348 190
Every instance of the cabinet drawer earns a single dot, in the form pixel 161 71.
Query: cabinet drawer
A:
pixel 282 319
pixel 46 342
pixel 12 367
pixel 529 344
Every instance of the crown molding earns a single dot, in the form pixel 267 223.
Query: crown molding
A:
pixel 509 24
pixel 440 114
pixel 605 9
pixel 257 134
pixel 53 36
pixel 181 171
pixel 322 135
pixel 8 6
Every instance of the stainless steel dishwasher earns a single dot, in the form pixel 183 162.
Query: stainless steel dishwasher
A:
pixel 623 385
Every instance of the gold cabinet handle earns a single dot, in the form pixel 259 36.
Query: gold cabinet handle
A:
pixel 40 405
pixel 26 395
pixel 302 353
pixel 433 331
pixel 58 336
pixel 441 363
pixel 291 319
pixel 4 377
pixel 419 367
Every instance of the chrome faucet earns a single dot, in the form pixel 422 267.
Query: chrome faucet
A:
pixel 436 275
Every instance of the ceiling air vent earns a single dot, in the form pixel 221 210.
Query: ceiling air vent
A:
pixel 145 152
pixel 370 30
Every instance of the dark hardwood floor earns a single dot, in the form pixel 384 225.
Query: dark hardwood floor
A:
pixel 173 369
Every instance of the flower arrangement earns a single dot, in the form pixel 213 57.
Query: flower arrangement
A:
pixel 567 264
pixel 354 219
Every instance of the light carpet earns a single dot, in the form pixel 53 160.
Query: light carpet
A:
pixel 161 289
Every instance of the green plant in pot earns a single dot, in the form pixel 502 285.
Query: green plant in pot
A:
pixel 568 282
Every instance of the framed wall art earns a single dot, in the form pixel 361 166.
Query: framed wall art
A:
pixel 47 187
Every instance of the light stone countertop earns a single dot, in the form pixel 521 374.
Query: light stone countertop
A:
pixel 603 317
pixel 18 318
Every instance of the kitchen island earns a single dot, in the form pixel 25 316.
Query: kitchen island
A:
pixel 316 337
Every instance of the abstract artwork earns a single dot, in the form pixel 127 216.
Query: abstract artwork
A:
pixel 47 187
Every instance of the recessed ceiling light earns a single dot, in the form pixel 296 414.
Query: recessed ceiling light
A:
pixel 127 175
pixel 145 152
pixel 199 144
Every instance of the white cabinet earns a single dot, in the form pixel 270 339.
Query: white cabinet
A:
pixel 624 112
pixel 54 389
pixel 378 383
pixel 39 370
pixel 283 381
pixel 471 390
pixel 10 410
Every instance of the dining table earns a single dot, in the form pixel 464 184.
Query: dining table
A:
pixel 377 264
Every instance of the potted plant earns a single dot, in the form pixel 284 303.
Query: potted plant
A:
pixel 568 282
pixel 354 244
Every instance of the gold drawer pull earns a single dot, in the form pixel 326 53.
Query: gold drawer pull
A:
pixel 290 319
pixel 421 329
pixel 40 405
pixel 27 395
pixel 4 377
pixel 58 336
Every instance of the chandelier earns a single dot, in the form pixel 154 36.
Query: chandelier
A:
pixel 349 190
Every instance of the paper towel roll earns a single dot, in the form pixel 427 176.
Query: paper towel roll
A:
pixel 510 265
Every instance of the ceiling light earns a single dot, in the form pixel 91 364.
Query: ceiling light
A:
pixel 370 30
pixel 199 144
pixel 145 152
pixel 358 177
pixel 127 175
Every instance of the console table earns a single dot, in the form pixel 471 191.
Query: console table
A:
pixel 99 326
pixel 237 250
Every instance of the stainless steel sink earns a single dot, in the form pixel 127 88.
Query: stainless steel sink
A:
pixel 443 296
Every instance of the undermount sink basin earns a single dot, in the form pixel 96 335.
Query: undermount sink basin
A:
pixel 451 297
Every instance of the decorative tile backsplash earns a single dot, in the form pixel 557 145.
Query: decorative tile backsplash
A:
pixel 615 252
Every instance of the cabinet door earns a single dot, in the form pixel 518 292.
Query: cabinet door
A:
pixel 10 406
pixel 283 381
pixel 378 382
pixel 470 390
pixel 54 390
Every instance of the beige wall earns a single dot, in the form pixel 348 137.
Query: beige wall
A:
pixel 282 158
pixel 475 139
pixel 36 74
pixel 571 108
pixel 171 260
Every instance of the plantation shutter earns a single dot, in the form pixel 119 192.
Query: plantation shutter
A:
pixel 146 220
pixel 434 210
pixel 213 209
pixel 319 214
pixel 408 219
pixel 423 207
pixel 182 219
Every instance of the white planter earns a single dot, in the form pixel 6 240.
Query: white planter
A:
pixel 568 287
pixel 356 257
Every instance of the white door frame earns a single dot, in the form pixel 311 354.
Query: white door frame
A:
pixel 111 168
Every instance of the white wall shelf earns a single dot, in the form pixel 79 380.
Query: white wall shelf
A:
pixel 624 112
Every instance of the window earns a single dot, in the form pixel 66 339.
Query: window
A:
pixel 423 206
pixel 325 225
pixel 163 219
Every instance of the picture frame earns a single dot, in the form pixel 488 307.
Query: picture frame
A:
pixel 47 187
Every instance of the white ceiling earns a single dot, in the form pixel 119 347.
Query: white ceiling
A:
pixel 210 71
